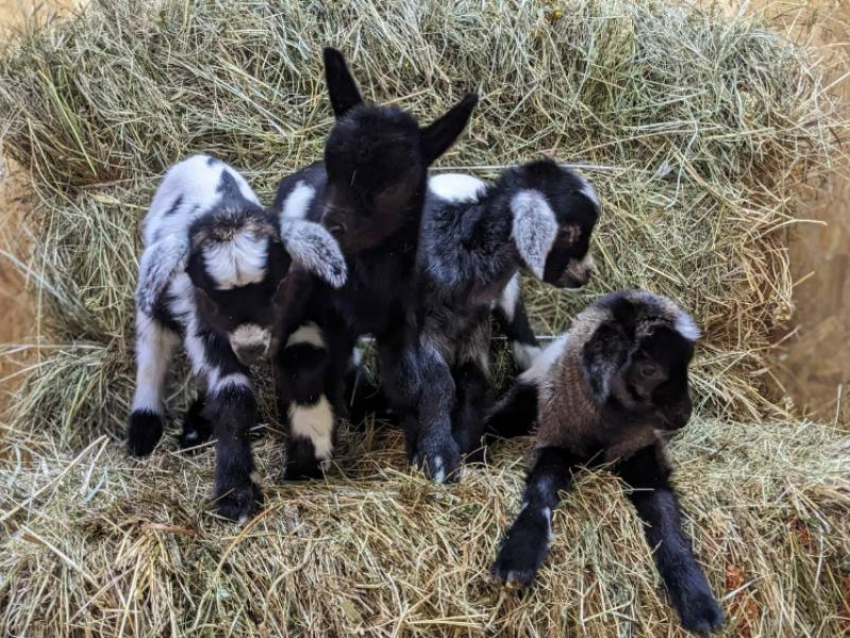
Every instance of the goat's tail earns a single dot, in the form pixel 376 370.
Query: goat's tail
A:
pixel 515 413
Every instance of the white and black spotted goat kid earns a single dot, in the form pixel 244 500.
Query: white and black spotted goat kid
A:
pixel 605 393
pixel 474 239
pixel 214 272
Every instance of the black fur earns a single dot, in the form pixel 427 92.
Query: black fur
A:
pixel 515 413
pixel 144 431
pixel 369 194
pixel 658 506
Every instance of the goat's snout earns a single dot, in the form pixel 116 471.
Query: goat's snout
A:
pixel 677 417
pixel 251 344
pixel 578 273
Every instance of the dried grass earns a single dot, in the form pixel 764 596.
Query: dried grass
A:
pixel 700 132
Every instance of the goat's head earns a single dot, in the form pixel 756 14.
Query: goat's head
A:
pixel 239 263
pixel 377 159
pixel 636 360
pixel 554 213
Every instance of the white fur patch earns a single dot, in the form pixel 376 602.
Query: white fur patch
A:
pixel 687 327
pixel 249 335
pixel 158 263
pixel 314 249
pixel 524 354
pixel 237 262
pixel 439 466
pixel 456 187
pixel 534 228
pixel 220 383
pixel 314 422
pixel 510 297
pixel 308 333
pixel 297 203
pixel 539 370
pixel 154 347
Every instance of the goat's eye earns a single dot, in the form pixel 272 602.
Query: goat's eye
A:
pixel 649 371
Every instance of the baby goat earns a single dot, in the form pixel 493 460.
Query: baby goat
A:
pixel 369 193
pixel 474 239
pixel 214 272
pixel 606 392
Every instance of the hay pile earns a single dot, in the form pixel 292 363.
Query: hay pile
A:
pixel 700 132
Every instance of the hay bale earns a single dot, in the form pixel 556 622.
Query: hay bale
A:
pixel 699 131
pixel 705 129
pixel 107 545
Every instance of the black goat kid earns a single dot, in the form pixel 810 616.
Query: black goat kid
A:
pixel 605 393
pixel 369 193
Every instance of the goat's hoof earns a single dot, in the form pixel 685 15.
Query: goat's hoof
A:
pixel 512 570
pixel 239 503
pixel 144 430
pixel 439 460
pixel 197 429
pixel 698 610
pixel 304 472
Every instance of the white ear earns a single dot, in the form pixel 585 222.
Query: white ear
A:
pixel 156 266
pixel 315 249
pixel 534 229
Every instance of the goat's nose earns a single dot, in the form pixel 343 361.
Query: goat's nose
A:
pixel 249 355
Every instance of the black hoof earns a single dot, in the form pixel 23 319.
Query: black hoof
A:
pixel 239 503
pixel 144 430
pixel 197 428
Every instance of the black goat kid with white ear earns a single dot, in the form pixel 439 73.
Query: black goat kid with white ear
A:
pixel 215 272
pixel 369 193
pixel 605 393
pixel 474 240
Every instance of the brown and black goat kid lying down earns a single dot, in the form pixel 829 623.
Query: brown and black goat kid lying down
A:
pixel 606 393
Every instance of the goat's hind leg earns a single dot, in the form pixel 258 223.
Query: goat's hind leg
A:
pixel 472 392
pixel 656 502
pixel 155 343
pixel 197 427
pixel 303 373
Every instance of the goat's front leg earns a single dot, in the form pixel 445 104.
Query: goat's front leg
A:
pixel 526 544
pixel 232 408
pixel 155 343
pixel 648 474
pixel 513 319
pixel 472 383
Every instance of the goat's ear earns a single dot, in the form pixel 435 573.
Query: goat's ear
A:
pixel 315 250
pixel 534 229
pixel 603 357
pixel 157 264
pixel 341 85
pixel 437 137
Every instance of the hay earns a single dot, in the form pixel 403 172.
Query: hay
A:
pixel 705 129
pixel 699 131
pixel 118 547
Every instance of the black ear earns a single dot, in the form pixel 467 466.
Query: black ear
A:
pixel 603 357
pixel 437 137
pixel 341 85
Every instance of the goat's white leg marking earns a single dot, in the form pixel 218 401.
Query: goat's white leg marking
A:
pixel 297 203
pixel 524 354
pixel 154 346
pixel 314 422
